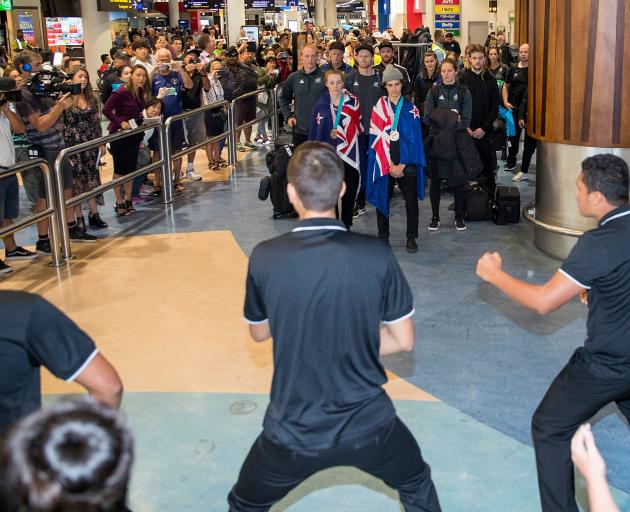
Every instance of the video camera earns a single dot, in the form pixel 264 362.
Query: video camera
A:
pixel 9 90
pixel 51 82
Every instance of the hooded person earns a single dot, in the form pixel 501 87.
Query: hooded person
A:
pixel 396 154
pixel 336 120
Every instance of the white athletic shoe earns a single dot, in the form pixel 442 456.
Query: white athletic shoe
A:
pixel 520 176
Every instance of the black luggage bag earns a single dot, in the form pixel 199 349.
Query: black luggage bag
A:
pixel 507 207
pixel 277 162
pixel 477 203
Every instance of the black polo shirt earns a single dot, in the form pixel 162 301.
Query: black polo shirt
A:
pixel 34 333
pixel 600 263
pixel 325 292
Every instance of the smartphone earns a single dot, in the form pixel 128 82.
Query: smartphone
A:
pixel 57 59
pixel 171 91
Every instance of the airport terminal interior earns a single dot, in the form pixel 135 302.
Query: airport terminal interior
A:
pixel 162 292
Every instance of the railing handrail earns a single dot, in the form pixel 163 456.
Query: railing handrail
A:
pixel 252 93
pixel 409 45
pixel 190 113
pixel 50 212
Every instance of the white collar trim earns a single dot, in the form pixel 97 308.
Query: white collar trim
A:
pixel 314 228
pixel 622 214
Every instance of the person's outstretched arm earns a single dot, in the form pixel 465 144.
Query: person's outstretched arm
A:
pixel 397 337
pixel 591 465
pixel 543 298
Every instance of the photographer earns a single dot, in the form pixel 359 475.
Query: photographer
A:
pixel 42 115
pixel 168 83
pixel 9 188
pixel 246 109
pixel 191 99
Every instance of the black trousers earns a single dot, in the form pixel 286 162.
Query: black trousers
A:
pixel 529 146
pixel 408 184
pixel 435 193
pixel 270 471
pixel 574 396
pixel 364 145
pixel 299 138
pixel 351 178
pixel 485 148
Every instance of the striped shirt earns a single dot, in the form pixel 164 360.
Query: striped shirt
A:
pixel 31 104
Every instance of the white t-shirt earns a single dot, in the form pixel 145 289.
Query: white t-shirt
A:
pixel 7 149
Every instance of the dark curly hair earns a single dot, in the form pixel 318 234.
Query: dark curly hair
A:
pixel 607 174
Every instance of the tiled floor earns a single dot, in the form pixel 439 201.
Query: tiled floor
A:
pixel 162 296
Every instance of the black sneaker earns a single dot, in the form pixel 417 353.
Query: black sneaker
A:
pixel 43 246
pixel 459 224
pixel 509 168
pixel 76 235
pixel 435 224
pixel 96 222
pixel 357 212
pixel 4 268
pixel 412 246
pixel 19 253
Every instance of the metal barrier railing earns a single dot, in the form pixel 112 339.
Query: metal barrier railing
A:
pixel 420 46
pixel 273 115
pixel 50 212
pixel 167 186
pixel 61 205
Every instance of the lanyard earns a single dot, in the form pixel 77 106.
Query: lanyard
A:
pixel 397 115
pixel 338 116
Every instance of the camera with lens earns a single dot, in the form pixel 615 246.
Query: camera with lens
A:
pixel 194 60
pixel 52 83
pixel 9 91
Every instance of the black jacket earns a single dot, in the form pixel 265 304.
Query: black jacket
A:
pixel 485 98
pixel 452 151
pixel 304 89
pixel 421 87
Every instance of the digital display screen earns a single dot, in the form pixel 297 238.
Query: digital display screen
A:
pixel 260 4
pixel 114 5
pixel 6 5
pixel 64 31
pixel 198 4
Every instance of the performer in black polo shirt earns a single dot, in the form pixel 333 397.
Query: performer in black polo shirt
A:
pixel 334 302
pixel 598 373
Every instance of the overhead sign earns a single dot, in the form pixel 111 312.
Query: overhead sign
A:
pixel 260 4
pixel 114 5
pixel 447 16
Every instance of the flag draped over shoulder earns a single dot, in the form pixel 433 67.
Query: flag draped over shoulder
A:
pixel 379 161
pixel 347 140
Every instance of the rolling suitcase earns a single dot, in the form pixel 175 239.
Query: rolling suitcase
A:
pixel 507 207
pixel 278 187
pixel 477 203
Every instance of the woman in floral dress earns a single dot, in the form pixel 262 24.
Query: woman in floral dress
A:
pixel 82 124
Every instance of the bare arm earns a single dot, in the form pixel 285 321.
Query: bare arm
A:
pixel 397 337
pixel 260 332
pixel 543 298
pixel 15 121
pixel 102 382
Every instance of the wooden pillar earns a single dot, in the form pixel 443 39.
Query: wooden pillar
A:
pixel 579 72
pixel 521 22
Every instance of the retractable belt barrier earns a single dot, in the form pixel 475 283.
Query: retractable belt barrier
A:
pixel 51 212
pixel 66 249
pixel 60 236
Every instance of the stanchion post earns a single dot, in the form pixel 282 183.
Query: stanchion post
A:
pixel 60 206
pixel 232 136
pixel 274 114
pixel 55 250
pixel 167 168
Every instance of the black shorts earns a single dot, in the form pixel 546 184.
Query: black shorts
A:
pixel 9 198
pixel 245 110
pixel 125 154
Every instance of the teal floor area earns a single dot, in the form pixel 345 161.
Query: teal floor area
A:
pixel 189 448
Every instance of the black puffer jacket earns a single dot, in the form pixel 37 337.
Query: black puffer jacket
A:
pixel 452 151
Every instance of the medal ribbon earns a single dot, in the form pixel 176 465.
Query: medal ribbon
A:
pixel 338 116
pixel 397 115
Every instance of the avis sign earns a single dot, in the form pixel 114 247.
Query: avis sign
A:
pixel 447 16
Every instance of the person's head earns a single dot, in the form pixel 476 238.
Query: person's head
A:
pixel 476 57
pixel 438 35
pixel 191 57
pixel 160 42
pixel 139 81
pixel 178 44
pixel 73 63
pixel 386 51
pixel 27 62
pixel 141 49
pixel 501 39
pixel 429 64
pixel 364 56
pixel 448 71
pixel 493 57
pixel 449 38
pixel 270 54
pixel 334 81
pixel 206 43
pixel 602 185
pixel 105 59
pixel 215 67
pixel 124 73
pixel 315 175
pixel 74 456
pixel 11 72
pixel 336 52
pixel 393 81
pixel 20 34
pixel 153 107
pixel 163 57
pixel 523 53
pixel 309 57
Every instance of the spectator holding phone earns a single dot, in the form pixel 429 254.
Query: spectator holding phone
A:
pixel 169 83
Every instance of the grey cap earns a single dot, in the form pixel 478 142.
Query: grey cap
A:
pixel 391 73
